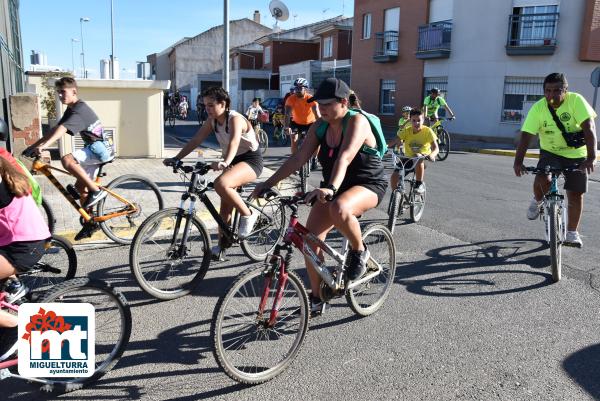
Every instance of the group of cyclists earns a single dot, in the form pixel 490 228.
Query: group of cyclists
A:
pixel 177 104
pixel 339 135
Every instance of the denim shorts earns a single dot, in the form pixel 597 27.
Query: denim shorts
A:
pixel 90 156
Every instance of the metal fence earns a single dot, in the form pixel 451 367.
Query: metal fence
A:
pixel 435 36
pixel 386 43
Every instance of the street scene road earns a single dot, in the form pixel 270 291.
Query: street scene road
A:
pixel 473 313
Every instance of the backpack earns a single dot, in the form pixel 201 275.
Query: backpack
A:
pixel 376 129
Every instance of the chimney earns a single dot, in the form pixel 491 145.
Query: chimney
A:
pixel 256 16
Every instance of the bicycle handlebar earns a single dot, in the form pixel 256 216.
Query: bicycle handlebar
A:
pixel 200 168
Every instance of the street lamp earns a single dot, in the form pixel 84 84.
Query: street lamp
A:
pixel 81 21
pixel 73 40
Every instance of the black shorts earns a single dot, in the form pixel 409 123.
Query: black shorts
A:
pixel 299 127
pixel 378 187
pixel 252 158
pixel 24 254
pixel 574 181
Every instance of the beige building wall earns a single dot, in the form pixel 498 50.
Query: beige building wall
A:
pixel 133 109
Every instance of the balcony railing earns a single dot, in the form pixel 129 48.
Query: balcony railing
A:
pixel 386 47
pixel 434 40
pixel 531 34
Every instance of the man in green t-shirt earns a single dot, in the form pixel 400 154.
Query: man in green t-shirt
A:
pixel 432 104
pixel 576 115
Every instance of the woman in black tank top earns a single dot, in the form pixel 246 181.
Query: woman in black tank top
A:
pixel 354 180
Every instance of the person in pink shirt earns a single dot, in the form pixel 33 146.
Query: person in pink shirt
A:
pixel 23 234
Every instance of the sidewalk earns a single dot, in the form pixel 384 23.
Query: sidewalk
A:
pixel 170 184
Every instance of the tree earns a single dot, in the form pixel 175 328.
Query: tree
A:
pixel 48 94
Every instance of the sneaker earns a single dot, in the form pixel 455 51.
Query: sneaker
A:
pixel 16 290
pixel 356 263
pixel 94 198
pixel 247 224
pixel 420 189
pixel 8 341
pixel 573 239
pixel 87 231
pixel 317 306
pixel 217 253
pixel 533 211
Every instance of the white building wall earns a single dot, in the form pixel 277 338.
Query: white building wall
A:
pixel 440 10
pixel 478 63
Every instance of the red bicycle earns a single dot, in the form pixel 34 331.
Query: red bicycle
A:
pixel 260 323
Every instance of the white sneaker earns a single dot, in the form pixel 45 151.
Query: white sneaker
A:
pixel 216 253
pixel 573 239
pixel 247 224
pixel 420 189
pixel 533 211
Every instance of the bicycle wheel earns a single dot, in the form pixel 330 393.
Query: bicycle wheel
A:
pixel 304 178
pixel 554 214
pixel 162 265
pixel 142 193
pixel 263 140
pixel 59 263
pixel 113 325
pixel 417 206
pixel 48 215
pixel 394 209
pixel 444 144
pixel 268 230
pixel 368 297
pixel 171 120
pixel 247 348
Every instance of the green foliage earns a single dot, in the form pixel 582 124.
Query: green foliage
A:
pixel 48 94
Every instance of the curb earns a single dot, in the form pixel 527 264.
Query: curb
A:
pixel 502 152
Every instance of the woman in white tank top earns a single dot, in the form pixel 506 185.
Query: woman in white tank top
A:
pixel 241 160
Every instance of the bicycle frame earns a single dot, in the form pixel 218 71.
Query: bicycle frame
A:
pixel 553 196
pixel 45 169
pixel 9 362
pixel 399 164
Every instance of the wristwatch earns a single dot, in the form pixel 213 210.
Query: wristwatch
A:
pixel 333 188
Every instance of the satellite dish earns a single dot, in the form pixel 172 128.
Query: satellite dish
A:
pixel 279 11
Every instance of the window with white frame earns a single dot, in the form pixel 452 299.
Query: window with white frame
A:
pixel 534 25
pixel 519 95
pixel 387 97
pixel 267 55
pixel 366 32
pixel 327 47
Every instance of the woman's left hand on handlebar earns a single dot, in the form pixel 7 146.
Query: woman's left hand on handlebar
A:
pixel 320 194
pixel 219 166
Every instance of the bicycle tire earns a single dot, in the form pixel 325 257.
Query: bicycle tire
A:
pixel 153 238
pixel 382 283
pixel 111 315
pixel 139 190
pixel 417 204
pixel 393 209
pixel 444 144
pixel 304 178
pixel 255 372
pixel 263 141
pixel 57 264
pixel 555 241
pixel 267 232
pixel 171 120
pixel 48 215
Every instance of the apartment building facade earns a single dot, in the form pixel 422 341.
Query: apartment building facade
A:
pixel 11 54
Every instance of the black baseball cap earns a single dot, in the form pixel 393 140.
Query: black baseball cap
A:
pixel 331 89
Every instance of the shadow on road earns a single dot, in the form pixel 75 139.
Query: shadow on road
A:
pixel 584 368
pixel 477 269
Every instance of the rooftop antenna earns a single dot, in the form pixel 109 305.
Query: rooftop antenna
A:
pixel 279 11
pixel 295 16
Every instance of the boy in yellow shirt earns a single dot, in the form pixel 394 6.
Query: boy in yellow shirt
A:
pixel 417 140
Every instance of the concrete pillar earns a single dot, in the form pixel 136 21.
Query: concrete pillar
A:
pixel 25 120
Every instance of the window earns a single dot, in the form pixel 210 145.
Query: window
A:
pixel 519 95
pixel 391 22
pixel 436 82
pixel 267 55
pixel 327 47
pixel 366 32
pixel 236 62
pixel 387 97
pixel 533 25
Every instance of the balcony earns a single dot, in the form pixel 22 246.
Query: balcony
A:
pixel 434 40
pixel 531 34
pixel 386 47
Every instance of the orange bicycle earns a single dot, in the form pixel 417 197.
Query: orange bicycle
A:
pixel 131 198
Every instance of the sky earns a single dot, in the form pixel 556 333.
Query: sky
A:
pixel 141 27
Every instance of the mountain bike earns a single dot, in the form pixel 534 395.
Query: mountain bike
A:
pixel 131 198
pixel 260 323
pixel 443 138
pixel 553 212
pixel 171 252
pixel 171 115
pixel 405 196
pixel 113 329
pixel 304 172
pixel 263 138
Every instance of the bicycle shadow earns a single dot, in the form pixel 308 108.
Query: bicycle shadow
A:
pixel 583 367
pixel 478 269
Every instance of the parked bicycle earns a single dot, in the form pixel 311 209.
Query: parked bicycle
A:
pixel 263 138
pixel 443 138
pixel 113 329
pixel 131 198
pixel 171 114
pixel 260 323
pixel 171 252
pixel 553 212
pixel 405 196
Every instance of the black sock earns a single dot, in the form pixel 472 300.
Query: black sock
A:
pixel 418 183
